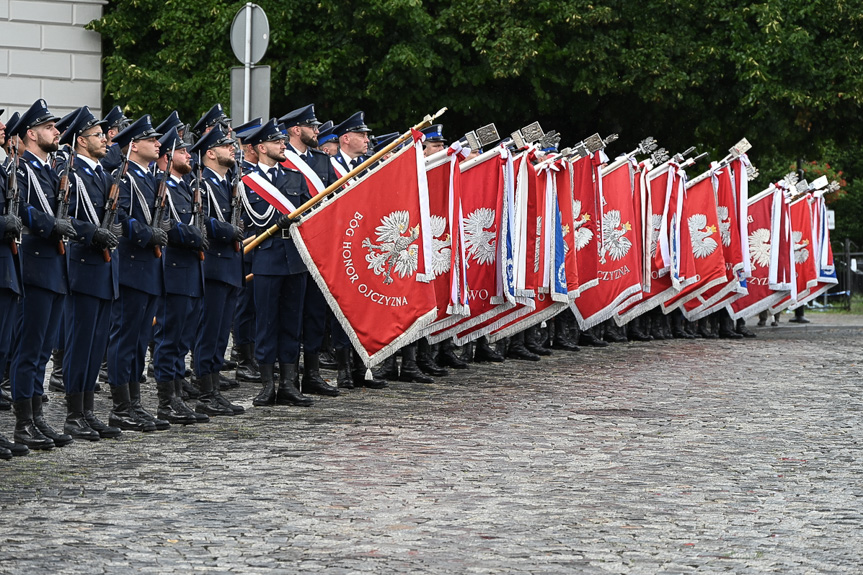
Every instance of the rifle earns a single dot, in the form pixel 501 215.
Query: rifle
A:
pixel 13 196
pixel 197 215
pixel 162 196
pixel 113 198
pixel 63 189
pixel 236 190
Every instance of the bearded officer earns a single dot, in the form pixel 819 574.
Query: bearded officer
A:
pixel 280 275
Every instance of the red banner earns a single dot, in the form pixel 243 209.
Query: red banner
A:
pixel 373 230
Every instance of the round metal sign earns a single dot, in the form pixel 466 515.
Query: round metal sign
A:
pixel 250 34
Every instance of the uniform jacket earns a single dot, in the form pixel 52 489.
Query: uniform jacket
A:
pixel 10 265
pixel 277 255
pixel 89 273
pixel 139 266
pixel 223 263
pixel 184 270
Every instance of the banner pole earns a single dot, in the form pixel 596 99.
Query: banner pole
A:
pixel 426 122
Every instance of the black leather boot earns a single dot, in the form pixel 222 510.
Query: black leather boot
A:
pixel 343 365
pixel 267 395
pixel 288 394
pixel 359 373
pixel 181 407
pixel 635 330
pixel 678 329
pixel 532 341
pixel 207 402
pixel 104 431
pixel 614 333
pixel 561 340
pixel 122 415
pixel 704 329
pixel 26 433
pixel 389 370
pixel 76 425
pixel 742 329
pixel 517 349
pixel 410 371
pixel 588 337
pixel 247 367
pixel 55 383
pixel 726 326
pixel 103 371
pixel 222 400
pixel 149 421
pixel 169 403
pixel 483 352
pixel 446 356
pixel 16 449
pixel 59 439
pixel 426 361
pixel 5 401
pixel 187 390
pixel 312 381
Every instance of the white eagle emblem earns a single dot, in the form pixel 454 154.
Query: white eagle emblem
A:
pixel 655 224
pixel 759 247
pixel 583 234
pixel 441 248
pixel 480 241
pixel 702 244
pixel 395 251
pixel 724 225
pixel 801 252
pixel 614 240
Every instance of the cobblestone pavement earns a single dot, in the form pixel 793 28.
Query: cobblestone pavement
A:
pixel 663 457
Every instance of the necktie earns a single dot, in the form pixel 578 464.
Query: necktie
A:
pixel 355 162
pixel 272 172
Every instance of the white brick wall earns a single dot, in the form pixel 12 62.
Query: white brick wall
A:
pixel 45 52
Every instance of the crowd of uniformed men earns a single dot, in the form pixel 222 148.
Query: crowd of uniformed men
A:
pixel 118 236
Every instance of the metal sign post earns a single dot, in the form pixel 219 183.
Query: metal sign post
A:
pixel 250 35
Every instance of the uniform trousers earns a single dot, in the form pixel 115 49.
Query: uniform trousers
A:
pixel 220 299
pixel 314 318
pixel 279 317
pixel 177 321
pixel 131 329
pixel 36 327
pixel 8 316
pixel 87 325
pixel 244 316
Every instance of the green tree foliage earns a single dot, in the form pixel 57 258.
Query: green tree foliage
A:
pixel 786 74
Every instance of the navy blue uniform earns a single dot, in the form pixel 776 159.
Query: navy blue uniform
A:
pixel 113 159
pixel 44 274
pixel 11 285
pixel 141 278
pixel 179 309
pixel 93 282
pixel 280 274
pixel 315 309
pixel 223 276
pixel 244 316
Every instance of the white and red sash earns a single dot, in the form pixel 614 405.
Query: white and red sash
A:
pixel 294 161
pixel 262 186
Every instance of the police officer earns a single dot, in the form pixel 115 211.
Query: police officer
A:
pixel 244 316
pixel 223 269
pixel 141 279
pixel 178 312
pixel 280 275
pixel 10 274
pixel 93 278
pixel 302 128
pixel 115 121
pixel 328 142
pixel 43 263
